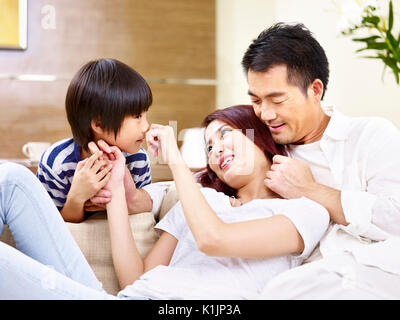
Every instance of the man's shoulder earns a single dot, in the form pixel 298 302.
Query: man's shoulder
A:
pixel 358 126
pixel 372 126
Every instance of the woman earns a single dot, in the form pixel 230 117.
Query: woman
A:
pixel 212 244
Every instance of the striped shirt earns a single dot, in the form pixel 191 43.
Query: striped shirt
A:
pixel 58 163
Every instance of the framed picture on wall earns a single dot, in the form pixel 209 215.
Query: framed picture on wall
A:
pixel 13 24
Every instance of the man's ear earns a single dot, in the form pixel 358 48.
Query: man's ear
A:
pixel 317 89
pixel 96 127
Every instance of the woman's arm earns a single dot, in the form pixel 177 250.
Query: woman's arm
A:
pixel 128 264
pixel 259 238
pixel 256 239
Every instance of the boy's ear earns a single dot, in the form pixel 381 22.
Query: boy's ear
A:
pixel 96 126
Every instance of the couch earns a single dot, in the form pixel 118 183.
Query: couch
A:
pixel 92 236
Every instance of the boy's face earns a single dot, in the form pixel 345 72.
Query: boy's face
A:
pixel 130 136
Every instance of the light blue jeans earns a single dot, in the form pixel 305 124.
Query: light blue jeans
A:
pixel 48 263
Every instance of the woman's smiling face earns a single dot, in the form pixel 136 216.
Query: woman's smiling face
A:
pixel 233 156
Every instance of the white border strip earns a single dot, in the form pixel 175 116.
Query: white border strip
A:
pixel 23 23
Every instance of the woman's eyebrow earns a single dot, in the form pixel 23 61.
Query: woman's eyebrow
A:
pixel 216 131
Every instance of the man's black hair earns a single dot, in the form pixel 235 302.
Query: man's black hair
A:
pixel 294 46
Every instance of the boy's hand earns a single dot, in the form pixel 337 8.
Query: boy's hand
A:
pixel 91 207
pixel 91 175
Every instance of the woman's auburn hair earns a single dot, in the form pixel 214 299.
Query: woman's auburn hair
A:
pixel 240 117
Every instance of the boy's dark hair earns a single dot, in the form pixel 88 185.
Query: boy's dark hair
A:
pixel 294 46
pixel 106 90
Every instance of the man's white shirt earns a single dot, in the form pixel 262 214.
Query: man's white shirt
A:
pixel 360 157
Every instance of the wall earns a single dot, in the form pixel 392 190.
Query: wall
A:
pixel 238 23
pixel 355 85
pixel 171 43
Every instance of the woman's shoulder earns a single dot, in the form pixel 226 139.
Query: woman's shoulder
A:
pixel 207 191
pixel 214 197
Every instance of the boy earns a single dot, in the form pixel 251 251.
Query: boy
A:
pixel 106 100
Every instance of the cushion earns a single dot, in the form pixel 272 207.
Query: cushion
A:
pixel 93 238
pixel 170 198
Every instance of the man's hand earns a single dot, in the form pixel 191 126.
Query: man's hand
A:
pixel 290 178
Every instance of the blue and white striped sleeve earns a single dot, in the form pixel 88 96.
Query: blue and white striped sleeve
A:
pixel 54 186
pixel 139 167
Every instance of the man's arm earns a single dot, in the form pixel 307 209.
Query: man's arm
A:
pixel 292 178
pixel 330 199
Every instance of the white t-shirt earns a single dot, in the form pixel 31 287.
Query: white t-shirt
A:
pixel 312 154
pixel 192 274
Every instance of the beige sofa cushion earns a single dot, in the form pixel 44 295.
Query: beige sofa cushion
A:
pixel 170 198
pixel 93 238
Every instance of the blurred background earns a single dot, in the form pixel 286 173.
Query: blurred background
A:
pixel 189 51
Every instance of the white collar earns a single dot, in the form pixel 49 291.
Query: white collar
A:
pixel 338 126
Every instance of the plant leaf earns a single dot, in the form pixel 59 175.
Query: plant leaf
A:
pixel 368 39
pixel 390 16
pixel 394 47
pixel 374 46
pixel 372 19
pixel 390 62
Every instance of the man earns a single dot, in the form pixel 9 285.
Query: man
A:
pixel 349 165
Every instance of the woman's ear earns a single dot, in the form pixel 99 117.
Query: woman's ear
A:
pixel 96 127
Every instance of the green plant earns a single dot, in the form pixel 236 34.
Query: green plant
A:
pixel 381 37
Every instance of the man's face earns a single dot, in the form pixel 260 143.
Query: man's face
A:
pixel 290 115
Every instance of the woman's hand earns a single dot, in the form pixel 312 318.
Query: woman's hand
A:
pixel 117 161
pixel 162 139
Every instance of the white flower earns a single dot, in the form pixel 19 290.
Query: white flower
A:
pixel 352 12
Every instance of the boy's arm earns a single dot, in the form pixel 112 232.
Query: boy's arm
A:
pixel 73 210
pixel 90 176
